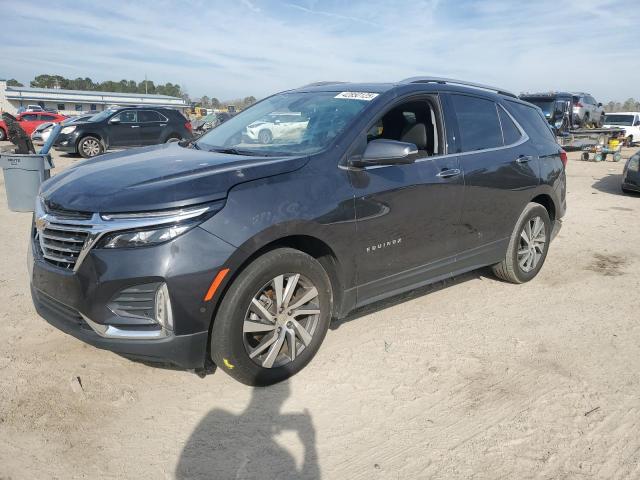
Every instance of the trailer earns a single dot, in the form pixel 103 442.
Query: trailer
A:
pixel 596 143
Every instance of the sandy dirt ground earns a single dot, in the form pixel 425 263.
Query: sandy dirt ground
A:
pixel 472 378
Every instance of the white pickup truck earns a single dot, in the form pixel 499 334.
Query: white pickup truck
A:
pixel 629 121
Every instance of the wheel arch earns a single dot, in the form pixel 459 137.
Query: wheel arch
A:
pixel 548 203
pixel 88 134
pixel 309 244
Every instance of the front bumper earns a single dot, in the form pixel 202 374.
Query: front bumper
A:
pixel 77 302
pixel 66 142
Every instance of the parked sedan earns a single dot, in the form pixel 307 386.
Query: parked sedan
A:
pixel 30 120
pixel 631 174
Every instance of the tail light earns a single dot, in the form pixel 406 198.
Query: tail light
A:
pixel 188 127
pixel 564 158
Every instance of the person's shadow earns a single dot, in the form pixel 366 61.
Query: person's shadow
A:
pixel 228 446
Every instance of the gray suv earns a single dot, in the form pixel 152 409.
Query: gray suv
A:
pixel 586 111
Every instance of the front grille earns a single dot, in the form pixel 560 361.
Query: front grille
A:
pixel 61 244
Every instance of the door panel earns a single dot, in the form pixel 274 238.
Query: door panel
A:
pixel 499 178
pixel 407 217
pixel 151 127
pixel 127 132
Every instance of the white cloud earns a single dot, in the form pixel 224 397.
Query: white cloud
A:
pixel 230 49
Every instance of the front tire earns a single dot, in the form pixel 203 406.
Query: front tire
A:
pixel 3 135
pixel 265 137
pixel 528 246
pixel 89 147
pixel 273 318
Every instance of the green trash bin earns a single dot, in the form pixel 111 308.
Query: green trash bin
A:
pixel 23 175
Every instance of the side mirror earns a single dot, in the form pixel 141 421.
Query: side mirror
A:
pixel 114 121
pixel 386 152
pixel 599 104
pixel 637 124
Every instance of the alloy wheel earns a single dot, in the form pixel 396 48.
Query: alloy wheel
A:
pixel 533 238
pixel 91 147
pixel 281 320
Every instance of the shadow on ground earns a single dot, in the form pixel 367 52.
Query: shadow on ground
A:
pixel 229 446
pixel 612 183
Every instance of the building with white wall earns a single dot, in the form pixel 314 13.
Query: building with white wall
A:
pixel 70 102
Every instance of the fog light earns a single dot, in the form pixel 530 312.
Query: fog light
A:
pixel 163 314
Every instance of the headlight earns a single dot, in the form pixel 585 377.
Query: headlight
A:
pixel 66 130
pixel 128 230
pixel 143 238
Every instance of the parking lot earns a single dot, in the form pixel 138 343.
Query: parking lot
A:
pixel 471 378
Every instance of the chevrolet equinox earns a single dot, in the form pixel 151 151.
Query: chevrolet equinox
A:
pixel 231 252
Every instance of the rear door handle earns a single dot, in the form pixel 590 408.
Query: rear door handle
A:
pixel 524 159
pixel 163 124
pixel 448 173
pixel 135 126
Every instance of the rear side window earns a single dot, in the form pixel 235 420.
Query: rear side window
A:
pixel 30 117
pixel 531 120
pixel 150 116
pixel 510 132
pixel 48 118
pixel 478 123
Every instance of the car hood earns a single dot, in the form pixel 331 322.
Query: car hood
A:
pixel 156 178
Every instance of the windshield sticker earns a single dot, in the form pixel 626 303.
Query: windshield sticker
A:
pixel 367 96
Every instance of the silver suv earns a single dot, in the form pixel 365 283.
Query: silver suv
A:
pixel 586 111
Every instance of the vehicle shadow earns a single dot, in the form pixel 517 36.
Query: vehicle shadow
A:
pixel 612 184
pixel 413 294
pixel 229 446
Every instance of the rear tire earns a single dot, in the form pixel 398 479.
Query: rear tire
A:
pixel 173 139
pixel 3 135
pixel 89 147
pixel 528 246
pixel 243 329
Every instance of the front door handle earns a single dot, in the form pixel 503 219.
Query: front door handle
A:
pixel 135 126
pixel 524 159
pixel 449 172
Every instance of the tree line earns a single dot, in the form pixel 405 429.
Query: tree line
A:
pixel 630 105
pixel 123 86
pixel 239 103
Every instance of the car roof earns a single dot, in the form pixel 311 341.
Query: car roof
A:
pixel 413 84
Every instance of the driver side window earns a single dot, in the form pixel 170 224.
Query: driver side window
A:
pixel 412 122
pixel 128 116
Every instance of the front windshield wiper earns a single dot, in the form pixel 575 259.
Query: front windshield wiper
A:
pixel 236 151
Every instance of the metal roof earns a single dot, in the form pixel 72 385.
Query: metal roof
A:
pixel 60 91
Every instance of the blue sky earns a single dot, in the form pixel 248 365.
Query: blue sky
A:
pixel 230 49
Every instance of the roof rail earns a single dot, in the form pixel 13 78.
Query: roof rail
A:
pixel 320 84
pixel 457 82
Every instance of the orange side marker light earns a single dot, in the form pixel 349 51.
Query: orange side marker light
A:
pixel 215 284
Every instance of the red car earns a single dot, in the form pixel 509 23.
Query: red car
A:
pixel 30 120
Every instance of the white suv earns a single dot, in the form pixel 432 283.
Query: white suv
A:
pixel 586 111
pixel 278 126
pixel 629 121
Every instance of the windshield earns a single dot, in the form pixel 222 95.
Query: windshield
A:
pixel 288 124
pixel 614 119
pixel 98 117
pixel 545 105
